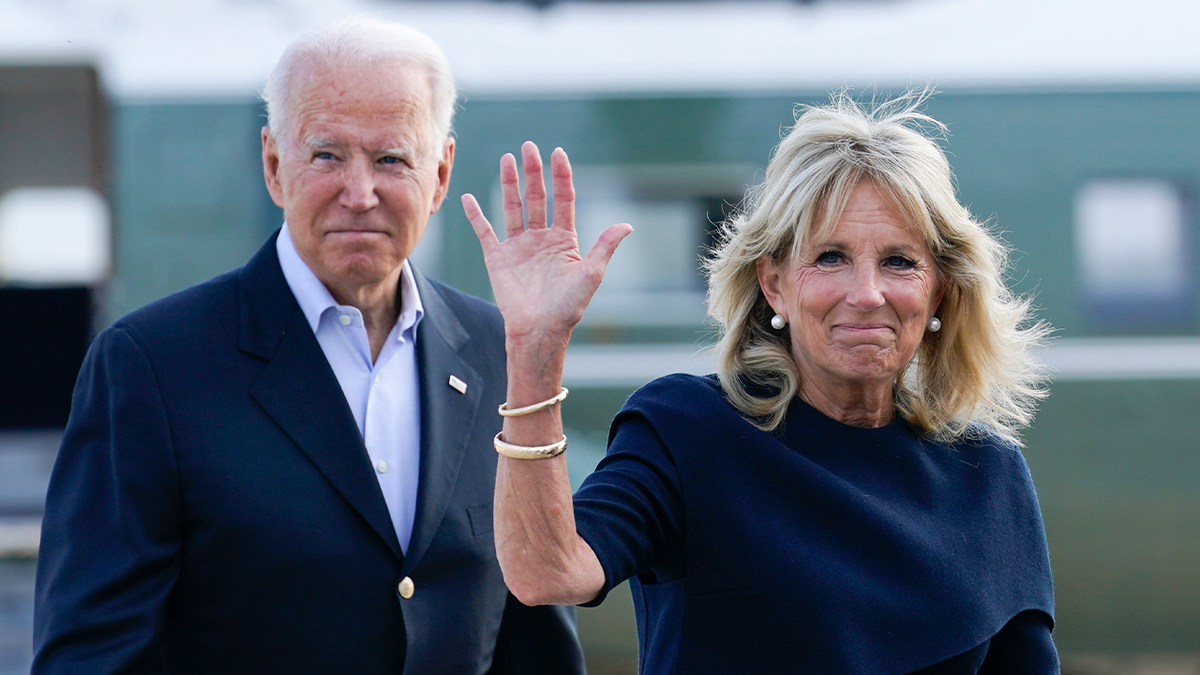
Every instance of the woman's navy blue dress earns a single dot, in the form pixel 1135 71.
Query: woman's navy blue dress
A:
pixel 820 548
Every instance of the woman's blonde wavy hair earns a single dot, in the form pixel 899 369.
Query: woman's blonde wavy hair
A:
pixel 977 372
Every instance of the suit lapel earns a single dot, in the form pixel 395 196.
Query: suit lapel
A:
pixel 299 391
pixel 447 415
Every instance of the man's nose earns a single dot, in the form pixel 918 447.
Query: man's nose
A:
pixel 358 192
pixel 865 290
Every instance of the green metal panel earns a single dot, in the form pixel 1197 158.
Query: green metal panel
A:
pixel 189 198
pixel 1020 157
pixel 1116 467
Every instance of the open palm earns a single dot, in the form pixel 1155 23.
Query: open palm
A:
pixel 539 279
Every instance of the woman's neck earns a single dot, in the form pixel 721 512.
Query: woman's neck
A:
pixel 852 404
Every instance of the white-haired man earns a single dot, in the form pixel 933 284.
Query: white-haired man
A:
pixel 289 468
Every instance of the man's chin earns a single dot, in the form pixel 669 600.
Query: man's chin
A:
pixel 362 270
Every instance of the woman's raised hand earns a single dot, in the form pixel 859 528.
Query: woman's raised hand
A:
pixel 542 286
pixel 539 279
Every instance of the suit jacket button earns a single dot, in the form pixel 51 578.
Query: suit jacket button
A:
pixel 407 588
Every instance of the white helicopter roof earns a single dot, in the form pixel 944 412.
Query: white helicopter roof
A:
pixel 225 48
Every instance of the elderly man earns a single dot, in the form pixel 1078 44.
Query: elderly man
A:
pixel 289 468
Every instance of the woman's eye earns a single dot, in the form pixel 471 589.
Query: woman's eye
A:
pixel 829 258
pixel 899 262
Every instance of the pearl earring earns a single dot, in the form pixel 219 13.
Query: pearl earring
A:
pixel 934 325
pixel 778 322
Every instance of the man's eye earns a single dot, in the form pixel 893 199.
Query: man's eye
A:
pixel 390 160
pixel 323 156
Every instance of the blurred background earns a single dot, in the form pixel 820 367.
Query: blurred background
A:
pixel 129 169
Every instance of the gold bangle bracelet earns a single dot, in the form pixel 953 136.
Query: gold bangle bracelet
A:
pixel 530 451
pixel 517 412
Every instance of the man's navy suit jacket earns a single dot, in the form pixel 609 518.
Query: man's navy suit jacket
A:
pixel 213 508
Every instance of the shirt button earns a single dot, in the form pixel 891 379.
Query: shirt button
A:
pixel 407 588
pixel 345 319
pixel 381 466
pixel 376 379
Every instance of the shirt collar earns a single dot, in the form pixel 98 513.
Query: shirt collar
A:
pixel 411 309
pixel 314 298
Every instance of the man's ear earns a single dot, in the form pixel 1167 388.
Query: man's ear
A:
pixel 270 157
pixel 445 165
pixel 769 279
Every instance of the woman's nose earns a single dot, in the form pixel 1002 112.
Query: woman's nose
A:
pixel 865 290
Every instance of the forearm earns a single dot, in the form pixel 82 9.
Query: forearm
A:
pixel 542 285
pixel 543 558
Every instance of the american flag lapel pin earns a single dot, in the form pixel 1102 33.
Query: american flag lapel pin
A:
pixel 459 385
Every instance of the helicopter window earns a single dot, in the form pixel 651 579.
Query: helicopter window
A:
pixel 1132 246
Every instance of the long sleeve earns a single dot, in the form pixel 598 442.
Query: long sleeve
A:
pixel 630 510
pixel 111 532
pixel 1024 645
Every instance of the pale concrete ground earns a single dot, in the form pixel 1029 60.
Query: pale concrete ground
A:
pixel 16 616
pixel 621 663
pixel 609 635
pixel 25 462
pixel 1131 664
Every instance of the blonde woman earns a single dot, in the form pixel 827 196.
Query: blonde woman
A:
pixel 846 494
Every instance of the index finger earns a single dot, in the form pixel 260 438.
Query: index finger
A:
pixel 479 222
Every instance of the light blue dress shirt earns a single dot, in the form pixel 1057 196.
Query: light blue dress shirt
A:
pixel 383 396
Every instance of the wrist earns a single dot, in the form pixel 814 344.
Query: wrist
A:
pixel 536 338
pixel 536 352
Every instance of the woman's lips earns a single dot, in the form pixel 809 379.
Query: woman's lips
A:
pixel 864 327
pixel 876 334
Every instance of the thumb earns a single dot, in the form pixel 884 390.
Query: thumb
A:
pixel 606 244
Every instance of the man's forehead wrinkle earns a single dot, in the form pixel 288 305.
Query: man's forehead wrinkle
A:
pixel 393 144
pixel 350 84
pixel 401 124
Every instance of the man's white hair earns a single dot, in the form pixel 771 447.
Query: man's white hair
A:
pixel 364 42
